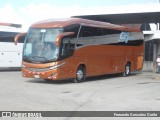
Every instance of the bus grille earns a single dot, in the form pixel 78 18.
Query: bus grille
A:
pixel 38 69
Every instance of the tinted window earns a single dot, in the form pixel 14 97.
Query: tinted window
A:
pixel 87 31
pixel 72 28
pixel 110 31
pixel 7 36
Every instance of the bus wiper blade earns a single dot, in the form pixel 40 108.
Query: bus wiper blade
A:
pixel 39 57
pixel 52 60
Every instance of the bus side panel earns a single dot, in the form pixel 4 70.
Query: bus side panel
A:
pixel 69 69
pixel 140 57
pixel 131 57
pixel 102 59
pixel 135 56
pixel 118 56
pixel 92 57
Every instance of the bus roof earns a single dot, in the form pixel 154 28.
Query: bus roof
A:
pixel 54 23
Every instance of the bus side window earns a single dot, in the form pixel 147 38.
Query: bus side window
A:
pixel 7 36
pixel 72 28
pixel 87 31
pixel 67 48
pixel 65 42
pixel 88 35
pixel 110 31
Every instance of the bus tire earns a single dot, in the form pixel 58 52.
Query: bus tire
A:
pixel 80 75
pixel 47 80
pixel 127 70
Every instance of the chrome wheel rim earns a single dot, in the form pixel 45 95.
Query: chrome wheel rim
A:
pixel 80 74
pixel 127 70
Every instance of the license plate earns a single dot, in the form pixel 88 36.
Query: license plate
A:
pixel 36 76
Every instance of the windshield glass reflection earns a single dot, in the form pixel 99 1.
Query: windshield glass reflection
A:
pixel 40 45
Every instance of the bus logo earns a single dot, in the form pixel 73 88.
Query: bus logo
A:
pixel 124 37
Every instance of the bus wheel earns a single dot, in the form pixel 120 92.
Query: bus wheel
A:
pixel 48 80
pixel 80 75
pixel 127 70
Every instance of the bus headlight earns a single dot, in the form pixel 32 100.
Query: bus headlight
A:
pixel 56 66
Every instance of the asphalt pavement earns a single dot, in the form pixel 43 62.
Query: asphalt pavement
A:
pixel 138 92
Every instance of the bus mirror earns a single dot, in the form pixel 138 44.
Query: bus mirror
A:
pixel 17 37
pixel 61 35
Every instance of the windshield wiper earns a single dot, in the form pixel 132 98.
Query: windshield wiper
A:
pixel 38 57
pixel 33 59
pixel 52 60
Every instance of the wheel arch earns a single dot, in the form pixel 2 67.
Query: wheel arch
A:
pixel 81 64
pixel 81 70
pixel 129 62
pixel 78 65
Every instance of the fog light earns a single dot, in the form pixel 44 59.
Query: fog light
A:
pixel 53 75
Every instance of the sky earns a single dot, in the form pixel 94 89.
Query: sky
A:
pixel 26 12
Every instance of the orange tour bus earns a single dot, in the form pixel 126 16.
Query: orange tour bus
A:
pixel 77 48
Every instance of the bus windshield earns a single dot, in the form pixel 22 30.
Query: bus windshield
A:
pixel 39 46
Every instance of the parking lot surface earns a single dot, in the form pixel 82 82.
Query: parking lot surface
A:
pixel 140 91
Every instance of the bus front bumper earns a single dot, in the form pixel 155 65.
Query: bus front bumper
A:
pixel 51 74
